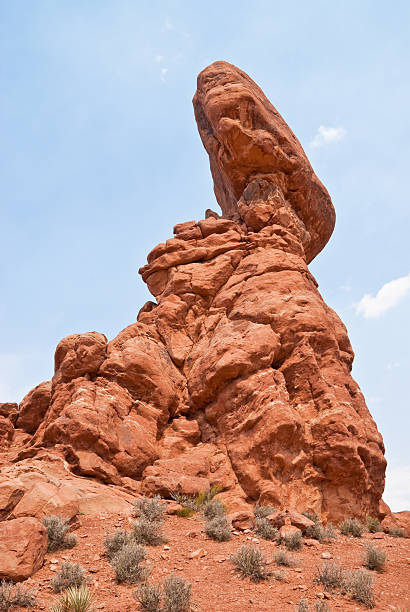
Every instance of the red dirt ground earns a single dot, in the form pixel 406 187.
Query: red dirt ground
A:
pixel 216 586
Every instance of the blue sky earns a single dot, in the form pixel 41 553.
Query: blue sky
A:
pixel 100 157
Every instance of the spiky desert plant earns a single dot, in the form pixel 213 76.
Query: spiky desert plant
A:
pixel 70 574
pixel 58 536
pixel 250 562
pixel 74 599
pixel 177 594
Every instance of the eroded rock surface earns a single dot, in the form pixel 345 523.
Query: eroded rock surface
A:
pixel 238 375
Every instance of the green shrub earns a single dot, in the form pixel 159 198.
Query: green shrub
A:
pixel 58 536
pixel 265 530
pixel 373 525
pixel 251 562
pixel 396 532
pixel 148 532
pixel 374 558
pixel 70 574
pixel 150 509
pixel 177 594
pixel 263 511
pixel 322 533
pixel 113 543
pixel 75 599
pixel 214 508
pixel 12 596
pixel 352 527
pixel 185 512
pixel 302 606
pixel 330 576
pixel 127 563
pixel 293 541
pixel 219 529
pixel 282 558
pixel 359 584
pixel 149 597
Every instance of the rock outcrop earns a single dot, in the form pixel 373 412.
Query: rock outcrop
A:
pixel 238 375
pixel 23 544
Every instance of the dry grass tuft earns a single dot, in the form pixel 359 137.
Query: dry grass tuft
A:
pixel 374 558
pixel 75 599
pixel 251 562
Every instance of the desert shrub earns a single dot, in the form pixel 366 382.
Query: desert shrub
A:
pixel 214 508
pixel 282 558
pixel 331 576
pixel 12 596
pixel 264 529
pixel 58 536
pixel 149 597
pixel 396 532
pixel 302 606
pixel 352 527
pixel 150 509
pixel 147 532
pixel 75 599
pixel 127 563
pixel 177 594
pixel 278 575
pixel 321 606
pixel 359 584
pixel 70 574
pixel 374 558
pixel 311 516
pixel 251 562
pixel 373 524
pixel 293 541
pixel 196 502
pixel 320 532
pixel 185 512
pixel 219 529
pixel 113 543
pixel 263 511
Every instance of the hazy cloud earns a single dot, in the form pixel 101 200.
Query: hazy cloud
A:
pixel 326 135
pixel 397 491
pixel 386 298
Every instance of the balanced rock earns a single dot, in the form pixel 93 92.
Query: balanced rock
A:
pixel 238 375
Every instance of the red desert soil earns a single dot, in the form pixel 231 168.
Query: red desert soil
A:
pixel 216 585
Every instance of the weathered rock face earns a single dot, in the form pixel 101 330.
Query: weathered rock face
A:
pixel 23 544
pixel 239 374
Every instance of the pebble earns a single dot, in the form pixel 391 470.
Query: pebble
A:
pixel 197 554
pixel 166 547
pixel 326 555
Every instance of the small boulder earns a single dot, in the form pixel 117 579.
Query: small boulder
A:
pixel 23 544
pixel 279 518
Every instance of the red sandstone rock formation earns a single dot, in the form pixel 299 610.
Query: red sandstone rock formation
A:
pixel 23 544
pixel 239 374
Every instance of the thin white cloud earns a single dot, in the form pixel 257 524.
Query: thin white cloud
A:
pixel 163 73
pixel 326 135
pixel 386 298
pixel 159 58
pixel 397 491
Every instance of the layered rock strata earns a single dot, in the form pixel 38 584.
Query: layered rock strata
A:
pixel 238 375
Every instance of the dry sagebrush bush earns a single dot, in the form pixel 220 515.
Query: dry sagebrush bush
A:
pixel 113 543
pixel 148 532
pixel 75 599
pixel 282 558
pixel 396 532
pixel 251 562
pixel 352 527
pixel 359 584
pixel 321 606
pixel 127 563
pixel 264 529
pixel 177 594
pixel 58 536
pixel 374 558
pixel 263 511
pixel 214 508
pixel 293 541
pixel 149 597
pixel 321 533
pixel 373 525
pixel 151 509
pixel 302 606
pixel 12 596
pixel 70 574
pixel 330 576
pixel 219 529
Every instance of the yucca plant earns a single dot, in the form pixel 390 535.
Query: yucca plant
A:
pixel 74 599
